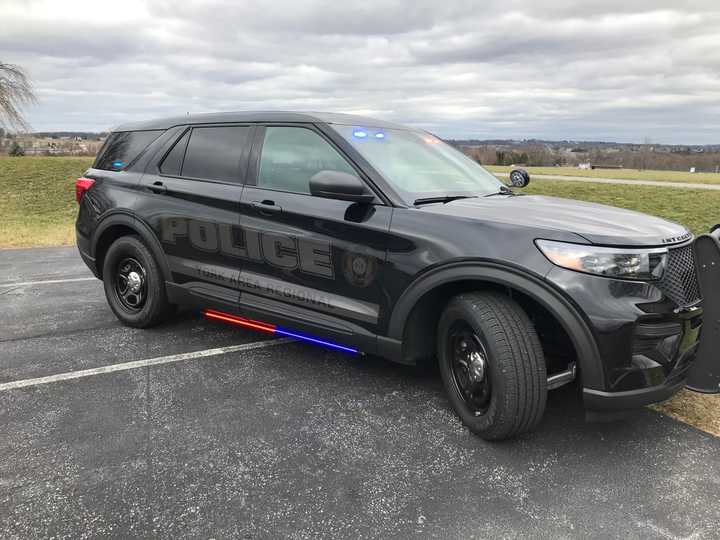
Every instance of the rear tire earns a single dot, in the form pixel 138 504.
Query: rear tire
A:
pixel 134 284
pixel 492 365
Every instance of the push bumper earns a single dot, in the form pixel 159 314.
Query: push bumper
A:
pixel 704 376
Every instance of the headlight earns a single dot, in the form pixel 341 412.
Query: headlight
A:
pixel 643 264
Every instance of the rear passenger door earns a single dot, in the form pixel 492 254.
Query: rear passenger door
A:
pixel 313 264
pixel 191 197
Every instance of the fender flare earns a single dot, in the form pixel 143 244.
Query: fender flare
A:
pixel 534 286
pixel 143 230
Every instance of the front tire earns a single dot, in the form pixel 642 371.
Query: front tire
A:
pixel 134 284
pixel 492 365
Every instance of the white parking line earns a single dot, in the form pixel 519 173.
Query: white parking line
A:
pixel 46 282
pixel 142 363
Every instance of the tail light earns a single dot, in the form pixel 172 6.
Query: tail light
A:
pixel 81 186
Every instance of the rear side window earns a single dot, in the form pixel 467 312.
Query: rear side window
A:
pixel 216 153
pixel 292 155
pixel 172 164
pixel 123 147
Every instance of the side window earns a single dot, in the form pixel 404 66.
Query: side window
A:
pixel 172 164
pixel 122 147
pixel 216 153
pixel 292 155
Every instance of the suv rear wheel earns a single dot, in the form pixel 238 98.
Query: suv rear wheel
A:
pixel 134 286
pixel 492 364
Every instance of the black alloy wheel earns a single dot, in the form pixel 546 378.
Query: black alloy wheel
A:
pixel 131 284
pixel 470 368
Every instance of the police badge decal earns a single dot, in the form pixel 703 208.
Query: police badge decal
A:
pixel 359 269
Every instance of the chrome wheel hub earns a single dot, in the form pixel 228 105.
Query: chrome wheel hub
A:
pixel 476 367
pixel 134 281
pixel 130 284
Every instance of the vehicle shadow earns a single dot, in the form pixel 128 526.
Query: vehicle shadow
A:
pixel 565 417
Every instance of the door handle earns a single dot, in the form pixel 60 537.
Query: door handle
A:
pixel 158 187
pixel 266 207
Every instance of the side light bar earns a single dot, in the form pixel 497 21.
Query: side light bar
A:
pixel 240 321
pixel 273 329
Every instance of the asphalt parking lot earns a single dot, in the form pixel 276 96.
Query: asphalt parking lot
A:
pixel 266 439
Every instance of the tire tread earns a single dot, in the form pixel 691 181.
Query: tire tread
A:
pixel 519 357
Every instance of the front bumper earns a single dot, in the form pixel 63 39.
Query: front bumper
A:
pixel 597 400
pixel 645 394
pixel 646 342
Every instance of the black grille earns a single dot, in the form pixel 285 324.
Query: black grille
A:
pixel 680 282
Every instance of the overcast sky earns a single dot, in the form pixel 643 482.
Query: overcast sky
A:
pixel 562 69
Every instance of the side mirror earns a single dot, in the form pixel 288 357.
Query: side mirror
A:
pixel 519 178
pixel 341 186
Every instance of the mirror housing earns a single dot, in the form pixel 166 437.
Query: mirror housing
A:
pixel 519 178
pixel 341 186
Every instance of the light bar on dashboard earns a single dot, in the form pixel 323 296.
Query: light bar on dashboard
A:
pixel 272 329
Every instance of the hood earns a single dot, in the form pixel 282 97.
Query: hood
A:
pixel 597 223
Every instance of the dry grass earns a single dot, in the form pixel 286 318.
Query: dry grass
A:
pixel 621 174
pixel 699 410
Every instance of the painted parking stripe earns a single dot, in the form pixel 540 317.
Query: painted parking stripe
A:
pixel 46 282
pixel 142 363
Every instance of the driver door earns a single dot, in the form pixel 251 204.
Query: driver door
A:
pixel 313 264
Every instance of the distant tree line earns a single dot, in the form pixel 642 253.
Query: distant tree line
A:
pixel 643 156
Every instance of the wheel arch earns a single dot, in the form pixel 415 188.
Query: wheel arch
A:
pixel 421 300
pixel 119 224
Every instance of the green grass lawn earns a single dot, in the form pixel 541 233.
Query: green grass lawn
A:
pixel 621 174
pixel 697 210
pixel 37 202
pixel 37 199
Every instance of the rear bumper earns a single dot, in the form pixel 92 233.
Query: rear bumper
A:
pixel 83 245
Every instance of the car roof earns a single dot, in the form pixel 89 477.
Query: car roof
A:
pixel 261 116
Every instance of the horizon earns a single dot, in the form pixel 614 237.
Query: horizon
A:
pixel 611 71
pixel 38 133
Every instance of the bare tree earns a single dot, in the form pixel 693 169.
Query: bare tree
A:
pixel 15 91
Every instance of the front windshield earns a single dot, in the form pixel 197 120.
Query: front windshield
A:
pixel 419 165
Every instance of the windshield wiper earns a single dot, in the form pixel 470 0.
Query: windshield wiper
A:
pixel 504 190
pixel 443 199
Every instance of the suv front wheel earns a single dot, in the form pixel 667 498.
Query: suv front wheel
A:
pixel 134 286
pixel 492 364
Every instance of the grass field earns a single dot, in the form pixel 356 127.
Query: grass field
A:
pixel 37 202
pixel 621 174
pixel 696 210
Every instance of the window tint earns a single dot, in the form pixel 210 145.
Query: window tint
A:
pixel 291 156
pixel 215 153
pixel 172 164
pixel 123 147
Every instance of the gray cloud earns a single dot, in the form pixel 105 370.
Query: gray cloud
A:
pixel 555 69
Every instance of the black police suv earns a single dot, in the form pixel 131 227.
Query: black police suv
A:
pixel 371 237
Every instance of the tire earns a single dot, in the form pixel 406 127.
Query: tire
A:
pixel 504 391
pixel 126 255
